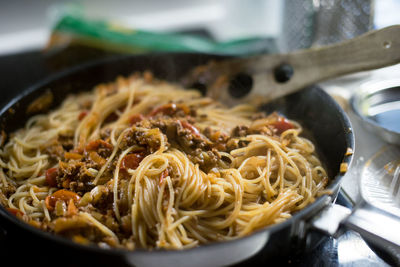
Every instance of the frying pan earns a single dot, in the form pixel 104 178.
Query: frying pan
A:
pixel 323 120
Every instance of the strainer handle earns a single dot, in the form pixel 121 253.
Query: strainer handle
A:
pixel 378 227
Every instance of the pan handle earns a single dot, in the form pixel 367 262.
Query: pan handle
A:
pixel 378 227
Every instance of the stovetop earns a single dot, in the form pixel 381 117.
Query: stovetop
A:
pixel 19 71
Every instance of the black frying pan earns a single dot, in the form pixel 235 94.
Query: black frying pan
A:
pixel 324 122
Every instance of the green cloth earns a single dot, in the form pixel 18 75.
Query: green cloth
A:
pixel 112 36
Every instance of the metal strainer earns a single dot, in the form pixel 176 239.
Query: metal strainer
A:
pixel 377 216
pixel 381 180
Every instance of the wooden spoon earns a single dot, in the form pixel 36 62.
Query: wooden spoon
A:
pixel 263 78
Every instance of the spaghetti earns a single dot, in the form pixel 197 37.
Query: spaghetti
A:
pixel 142 163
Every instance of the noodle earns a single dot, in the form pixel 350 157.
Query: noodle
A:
pixel 143 163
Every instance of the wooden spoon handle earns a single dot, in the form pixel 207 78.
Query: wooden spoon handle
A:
pixel 372 50
pixel 281 74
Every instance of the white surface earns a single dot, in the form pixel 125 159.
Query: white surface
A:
pixel 26 24
pixel 23 40
pixel 353 251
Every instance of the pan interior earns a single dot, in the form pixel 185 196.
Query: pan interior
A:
pixel 317 112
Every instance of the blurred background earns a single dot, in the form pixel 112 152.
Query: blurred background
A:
pixel 41 37
pixel 27 25
pixel 50 35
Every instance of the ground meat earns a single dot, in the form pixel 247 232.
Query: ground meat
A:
pixel 103 198
pixel 206 159
pixel 240 131
pixel 258 115
pixel 5 193
pixel 54 149
pixel 75 176
pixel 188 139
pixel 172 110
pixel 218 138
pixel 184 136
pixel 3 199
pixel 58 146
pixel 105 133
pixel 137 137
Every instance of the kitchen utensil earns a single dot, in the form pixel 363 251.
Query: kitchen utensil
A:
pixel 263 78
pixel 377 216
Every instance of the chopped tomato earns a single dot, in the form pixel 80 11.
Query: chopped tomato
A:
pixel 135 118
pixel 170 109
pixel 82 115
pixel 167 109
pixel 51 175
pixel 72 155
pixel 61 195
pixel 95 144
pixel 132 161
pixel 95 157
pixel 15 212
pixel 282 124
pixel 163 175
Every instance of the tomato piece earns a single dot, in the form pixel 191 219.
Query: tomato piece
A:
pixel 95 157
pixel 282 124
pixel 136 118
pixel 95 144
pixel 82 115
pixel 190 127
pixel 72 155
pixel 132 161
pixel 170 109
pixel 61 195
pixel 166 109
pixel 163 175
pixel 51 175
pixel 15 212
